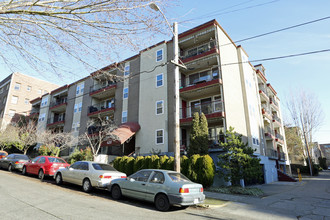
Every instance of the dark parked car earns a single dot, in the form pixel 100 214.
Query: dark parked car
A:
pixel 13 162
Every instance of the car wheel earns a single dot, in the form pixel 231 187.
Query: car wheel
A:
pixel 162 203
pixel 41 175
pixel 87 186
pixel 10 168
pixel 24 171
pixel 58 179
pixel 116 192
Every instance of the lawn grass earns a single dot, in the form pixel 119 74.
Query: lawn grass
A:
pixel 210 201
pixel 237 190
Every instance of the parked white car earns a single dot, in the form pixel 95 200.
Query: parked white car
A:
pixel 88 174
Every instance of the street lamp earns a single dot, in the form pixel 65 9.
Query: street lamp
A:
pixel 176 108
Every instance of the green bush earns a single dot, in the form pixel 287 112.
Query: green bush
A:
pixel 170 164
pixel 155 162
pixel 184 161
pixel 163 162
pixel 116 162
pixel 138 163
pixel 323 163
pixel 80 155
pixel 205 172
pixel 193 167
pixel 129 167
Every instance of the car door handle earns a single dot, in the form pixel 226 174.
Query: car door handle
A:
pixel 143 184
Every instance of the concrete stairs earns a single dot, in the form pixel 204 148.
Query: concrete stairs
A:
pixel 285 177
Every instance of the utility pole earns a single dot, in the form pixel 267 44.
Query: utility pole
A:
pixel 176 99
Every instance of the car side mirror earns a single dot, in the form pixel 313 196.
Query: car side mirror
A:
pixel 70 168
pixel 131 180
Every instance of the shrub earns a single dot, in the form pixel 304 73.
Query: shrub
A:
pixel 79 155
pixel 116 162
pixel 163 161
pixel 205 172
pixel 138 163
pixel 147 162
pixel 193 167
pixel 184 162
pixel 129 167
pixel 155 162
pixel 170 163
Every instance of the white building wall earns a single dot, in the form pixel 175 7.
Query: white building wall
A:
pixel 232 89
pixel 150 94
pixel 44 113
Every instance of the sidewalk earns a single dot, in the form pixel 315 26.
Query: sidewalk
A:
pixel 268 189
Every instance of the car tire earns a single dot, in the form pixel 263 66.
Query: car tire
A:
pixel 41 175
pixel 116 192
pixel 58 179
pixel 24 171
pixel 87 186
pixel 10 168
pixel 162 203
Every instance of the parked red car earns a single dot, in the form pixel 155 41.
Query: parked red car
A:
pixel 44 166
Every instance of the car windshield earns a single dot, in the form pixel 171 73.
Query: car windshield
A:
pixel 21 157
pixel 100 166
pixel 56 160
pixel 178 177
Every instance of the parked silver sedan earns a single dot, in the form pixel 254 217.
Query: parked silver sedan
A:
pixel 13 162
pixel 163 187
pixel 88 174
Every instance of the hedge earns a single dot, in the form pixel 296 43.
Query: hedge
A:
pixel 199 169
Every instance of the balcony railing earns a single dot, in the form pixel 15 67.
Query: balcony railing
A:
pixel 59 102
pixel 271 153
pixel 279 136
pixel 206 108
pixel 282 156
pixel 100 107
pixel 201 77
pixel 198 50
pixel 97 87
pixel 263 89
pixel 266 110
pixel 272 101
pixel 56 119
pixel 277 119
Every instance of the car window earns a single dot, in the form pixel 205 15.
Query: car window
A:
pixel 56 160
pixel 84 166
pixel 10 157
pixel 42 160
pixel 142 176
pixel 158 177
pixel 35 159
pixel 76 165
pixel 21 157
pixel 100 166
pixel 178 177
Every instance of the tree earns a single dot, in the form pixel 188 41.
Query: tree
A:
pixel 295 145
pixel 99 130
pixel 54 143
pixel 46 33
pixel 238 162
pixel 199 143
pixel 8 137
pixel 27 135
pixel 306 113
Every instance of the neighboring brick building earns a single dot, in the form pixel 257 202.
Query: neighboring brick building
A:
pixel 16 92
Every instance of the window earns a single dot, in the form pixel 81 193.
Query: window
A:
pixel 159 55
pixel 79 106
pixel 158 177
pixel 26 101
pixel 39 91
pixel 42 117
pixel 125 93
pixel 127 69
pixel 17 86
pixel 159 80
pixel 159 107
pixel 75 108
pixel 44 101
pixel 77 90
pixel 124 117
pixel 14 99
pixel 42 160
pixel 35 159
pixel 29 88
pixel 160 136
pixel 11 113
pixel 82 87
pixel 142 175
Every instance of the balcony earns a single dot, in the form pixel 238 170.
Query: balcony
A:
pixel 273 104
pixel 266 112
pixel 56 121
pixel 102 91
pixel 206 87
pixel 263 94
pixel 199 52
pixel 282 156
pixel 272 154
pixel 269 133
pixel 101 109
pixel 213 111
pixel 279 138
pixel 59 105
pixel 276 121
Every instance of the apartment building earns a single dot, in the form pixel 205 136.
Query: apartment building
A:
pixel 16 92
pixel 219 81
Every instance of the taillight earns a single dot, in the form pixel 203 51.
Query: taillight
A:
pixel 17 162
pixel 123 177
pixel 184 190
pixel 202 190
pixel 104 177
